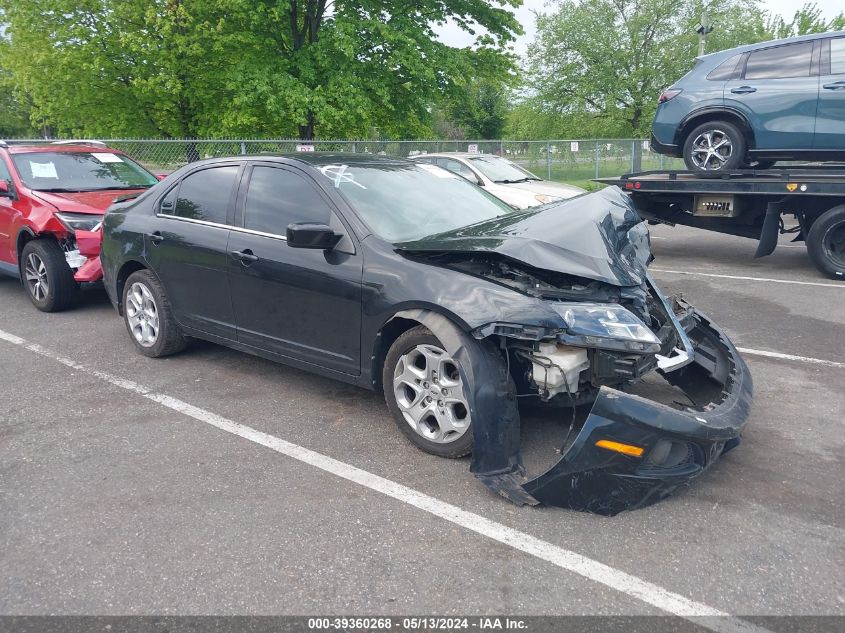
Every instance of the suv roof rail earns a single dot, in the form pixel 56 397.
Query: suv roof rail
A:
pixel 75 142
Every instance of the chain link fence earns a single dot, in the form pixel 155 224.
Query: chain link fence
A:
pixel 570 160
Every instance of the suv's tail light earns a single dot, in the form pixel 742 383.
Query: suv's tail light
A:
pixel 668 95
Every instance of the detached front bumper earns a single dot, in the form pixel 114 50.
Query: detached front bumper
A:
pixel 677 444
pixel 88 243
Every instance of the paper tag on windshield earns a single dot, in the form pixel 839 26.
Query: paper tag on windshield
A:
pixel 43 170
pixel 437 171
pixel 107 157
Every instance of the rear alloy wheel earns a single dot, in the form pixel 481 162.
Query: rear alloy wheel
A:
pixel 148 316
pixel 47 277
pixel 426 394
pixel 714 146
pixel 826 243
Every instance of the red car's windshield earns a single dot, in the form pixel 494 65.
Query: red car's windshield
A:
pixel 81 171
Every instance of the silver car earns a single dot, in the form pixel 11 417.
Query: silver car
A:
pixel 501 177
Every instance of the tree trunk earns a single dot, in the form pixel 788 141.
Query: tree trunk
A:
pixel 636 146
pixel 306 132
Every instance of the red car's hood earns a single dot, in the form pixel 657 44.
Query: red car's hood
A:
pixel 84 201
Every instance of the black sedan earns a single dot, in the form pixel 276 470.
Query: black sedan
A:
pixel 403 277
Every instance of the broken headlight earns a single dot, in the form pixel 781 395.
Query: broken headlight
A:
pixel 79 221
pixel 605 325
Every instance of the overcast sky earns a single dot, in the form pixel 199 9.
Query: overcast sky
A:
pixel 452 35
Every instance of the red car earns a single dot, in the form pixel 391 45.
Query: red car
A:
pixel 52 200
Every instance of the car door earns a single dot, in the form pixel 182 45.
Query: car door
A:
pixel 188 248
pixel 830 121
pixel 300 303
pixel 7 212
pixel 778 94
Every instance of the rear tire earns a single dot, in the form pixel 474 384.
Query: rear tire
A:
pixel 149 318
pixel 46 276
pixel 826 242
pixel 724 139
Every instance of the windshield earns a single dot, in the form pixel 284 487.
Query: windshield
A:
pixel 81 171
pixel 402 202
pixel 500 169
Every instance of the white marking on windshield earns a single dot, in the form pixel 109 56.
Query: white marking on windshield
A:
pixel 43 170
pixel 107 157
pixel 338 174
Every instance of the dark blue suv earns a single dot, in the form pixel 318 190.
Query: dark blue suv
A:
pixel 757 104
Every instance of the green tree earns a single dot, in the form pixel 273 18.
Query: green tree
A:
pixel 480 110
pixel 609 59
pixel 808 19
pixel 184 68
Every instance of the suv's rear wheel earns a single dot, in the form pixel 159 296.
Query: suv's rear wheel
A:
pixel 47 277
pixel 826 242
pixel 714 146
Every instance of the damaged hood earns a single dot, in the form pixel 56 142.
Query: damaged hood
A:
pixel 597 236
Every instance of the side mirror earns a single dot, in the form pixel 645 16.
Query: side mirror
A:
pixel 5 192
pixel 161 176
pixel 311 235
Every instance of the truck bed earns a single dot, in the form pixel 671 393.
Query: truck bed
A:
pixel 790 180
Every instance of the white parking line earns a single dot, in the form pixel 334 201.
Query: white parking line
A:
pixel 841 286
pixel 654 595
pixel 803 359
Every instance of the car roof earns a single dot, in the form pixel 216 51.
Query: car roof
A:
pixel 457 155
pixel 58 148
pixel 788 40
pixel 315 159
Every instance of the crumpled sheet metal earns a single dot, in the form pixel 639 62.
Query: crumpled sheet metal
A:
pixel 587 477
pixel 596 236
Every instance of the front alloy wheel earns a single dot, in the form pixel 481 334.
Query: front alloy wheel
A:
pixel 430 394
pixel 46 275
pixel 426 394
pixel 35 273
pixel 142 314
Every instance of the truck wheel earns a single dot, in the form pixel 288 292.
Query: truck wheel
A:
pixel 826 242
pixel 714 146
pixel 47 277
pixel 149 317
pixel 426 395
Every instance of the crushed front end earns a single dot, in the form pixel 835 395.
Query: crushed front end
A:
pixel 630 451
pixel 587 328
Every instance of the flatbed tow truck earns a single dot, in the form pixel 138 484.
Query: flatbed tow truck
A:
pixel 752 203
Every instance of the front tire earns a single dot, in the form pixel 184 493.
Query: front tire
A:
pixel 426 395
pixel 714 146
pixel 47 277
pixel 149 318
pixel 826 242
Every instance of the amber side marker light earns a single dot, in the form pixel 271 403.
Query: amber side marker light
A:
pixel 619 447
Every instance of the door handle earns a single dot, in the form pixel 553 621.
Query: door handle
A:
pixel 156 238
pixel 836 85
pixel 246 257
pixel 743 90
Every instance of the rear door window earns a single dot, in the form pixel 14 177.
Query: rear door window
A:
pixel 780 62
pixel 278 197
pixel 204 195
